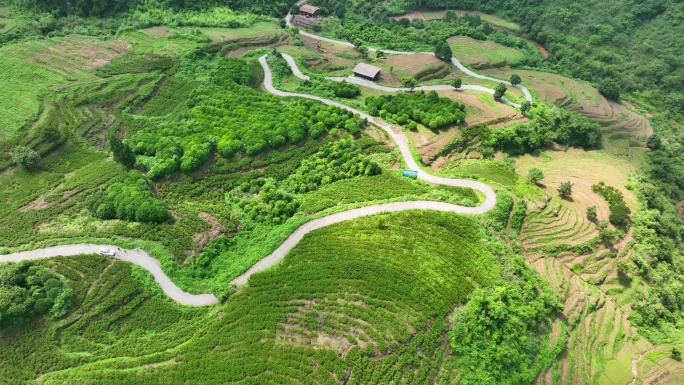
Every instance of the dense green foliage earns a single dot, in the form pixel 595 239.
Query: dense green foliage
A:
pixel 619 212
pixel 263 201
pixel 102 8
pixel 443 51
pixel 266 201
pixel 368 22
pixel 28 291
pixel 659 255
pixel 131 199
pixel 122 152
pixel 427 109
pixel 25 156
pixel 496 335
pixel 546 125
pixel 228 116
pixel 339 160
pixel 499 91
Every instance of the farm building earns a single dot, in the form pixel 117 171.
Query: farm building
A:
pixel 367 71
pixel 308 10
pixel 304 21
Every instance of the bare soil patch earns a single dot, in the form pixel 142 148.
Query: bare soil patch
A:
pixel 158 31
pixel 80 54
pixel 411 16
pixel 36 204
pixel 215 229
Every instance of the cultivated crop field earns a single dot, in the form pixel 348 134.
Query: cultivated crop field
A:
pixel 369 304
pixel 482 54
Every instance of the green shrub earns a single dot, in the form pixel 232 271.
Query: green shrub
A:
pixel 29 291
pixel 131 199
pixel 427 109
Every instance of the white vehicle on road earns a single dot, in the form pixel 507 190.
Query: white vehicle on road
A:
pixel 105 251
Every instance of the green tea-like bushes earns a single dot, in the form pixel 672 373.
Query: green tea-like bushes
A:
pixel 132 200
pixel 134 63
pixel 502 210
pixel 262 201
pixel 227 115
pixel 336 161
pixel 428 109
pixel 518 216
pixel 170 96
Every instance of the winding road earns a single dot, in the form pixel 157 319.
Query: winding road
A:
pixel 142 259
pixel 367 83
pixel 454 61
pixel 137 257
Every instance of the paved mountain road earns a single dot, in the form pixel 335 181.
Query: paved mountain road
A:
pixel 370 84
pixel 137 256
pixel 454 61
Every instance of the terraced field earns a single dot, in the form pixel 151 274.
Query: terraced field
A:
pixel 561 223
pixel 76 57
pixel 601 342
pixel 482 54
pixel 624 130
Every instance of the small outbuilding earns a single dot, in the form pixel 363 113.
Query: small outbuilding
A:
pixel 304 21
pixel 367 71
pixel 308 10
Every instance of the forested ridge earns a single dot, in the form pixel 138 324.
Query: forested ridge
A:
pixel 108 7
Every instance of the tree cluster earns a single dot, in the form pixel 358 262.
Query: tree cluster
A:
pixel 131 199
pixel 263 201
pixel 338 160
pixel 496 335
pixel 232 118
pixel 28 291
pixel 443 51
pixel 546 125
pixel 25 157
pixel 619 212
pixel 428 109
